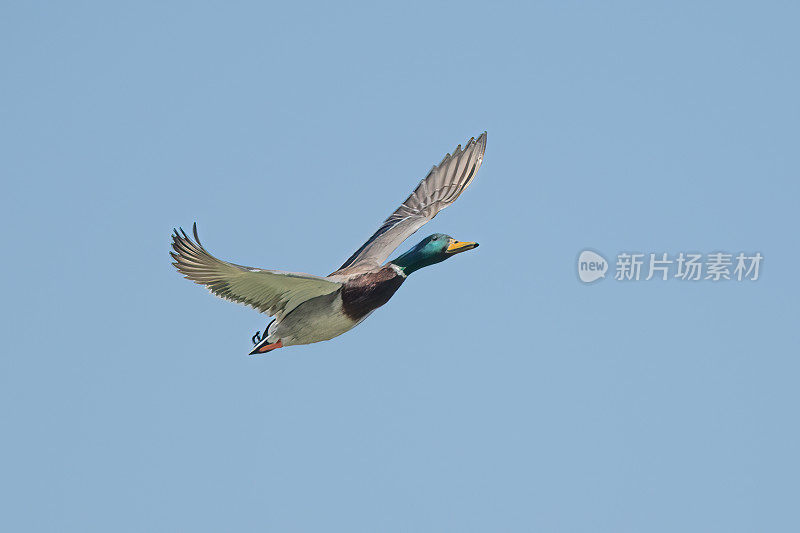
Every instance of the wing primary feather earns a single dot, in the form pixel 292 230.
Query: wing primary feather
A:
pixel 196 236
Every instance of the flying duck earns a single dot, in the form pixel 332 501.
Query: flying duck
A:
pixel 311 308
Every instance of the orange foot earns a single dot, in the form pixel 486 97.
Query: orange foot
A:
pixel 267 347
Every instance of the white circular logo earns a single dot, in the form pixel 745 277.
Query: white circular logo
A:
pixel 591 266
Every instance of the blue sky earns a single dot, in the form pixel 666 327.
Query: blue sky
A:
pixel 495 392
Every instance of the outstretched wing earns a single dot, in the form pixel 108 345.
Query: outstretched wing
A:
pixel 270 291
pixel 440 188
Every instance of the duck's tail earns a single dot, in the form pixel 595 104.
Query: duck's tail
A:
pixel 262 344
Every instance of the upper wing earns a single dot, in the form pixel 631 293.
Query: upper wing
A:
pixel 440 188
pixel 270 291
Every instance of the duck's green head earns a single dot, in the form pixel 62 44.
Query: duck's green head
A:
pixel 431 250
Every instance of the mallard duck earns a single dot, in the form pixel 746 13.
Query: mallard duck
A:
pixel 309 308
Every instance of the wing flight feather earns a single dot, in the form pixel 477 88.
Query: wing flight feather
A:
pixel 272 292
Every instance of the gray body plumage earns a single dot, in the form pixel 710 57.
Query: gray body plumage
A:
pixel 318 319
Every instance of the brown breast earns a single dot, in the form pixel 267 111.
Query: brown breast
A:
pixel 367 292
